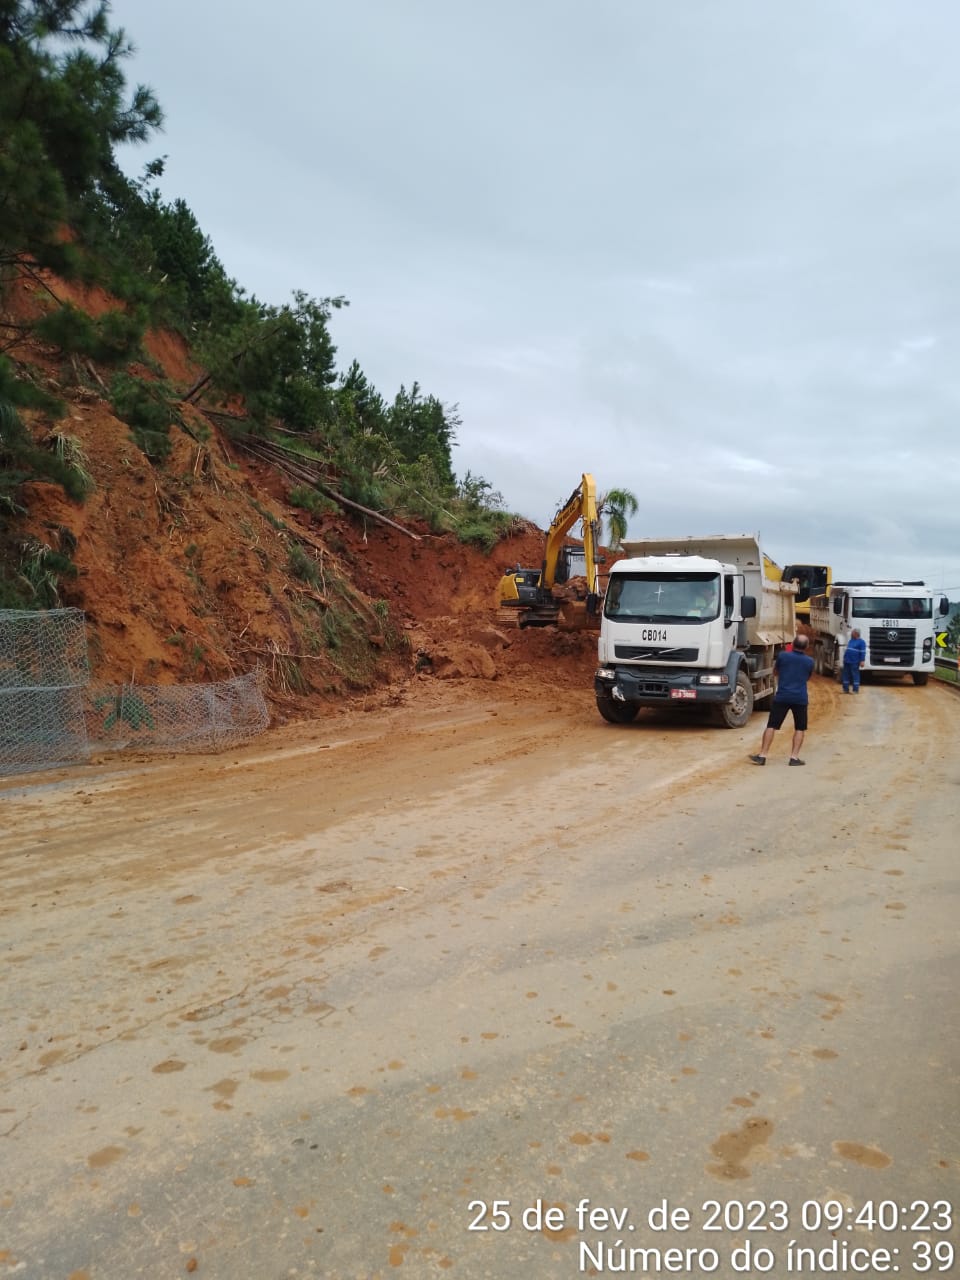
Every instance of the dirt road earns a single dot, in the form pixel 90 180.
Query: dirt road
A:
pixel 313 1007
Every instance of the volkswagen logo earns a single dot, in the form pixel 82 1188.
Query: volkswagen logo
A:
pixel 892 635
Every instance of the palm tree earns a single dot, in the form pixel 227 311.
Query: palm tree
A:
pixel 618 505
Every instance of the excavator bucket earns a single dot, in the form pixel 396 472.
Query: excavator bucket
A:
pixel 575 615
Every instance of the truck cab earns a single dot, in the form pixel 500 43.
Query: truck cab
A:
pixel 897 619
pixel 683 629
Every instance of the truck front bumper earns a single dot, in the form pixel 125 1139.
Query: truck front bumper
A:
pixel 655 686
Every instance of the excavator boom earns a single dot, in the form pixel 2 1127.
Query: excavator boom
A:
pixel 581 505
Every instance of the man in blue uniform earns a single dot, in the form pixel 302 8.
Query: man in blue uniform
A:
pixel 854 656
pixel 794 668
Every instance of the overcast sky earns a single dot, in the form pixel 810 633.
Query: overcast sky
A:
pixel 704 249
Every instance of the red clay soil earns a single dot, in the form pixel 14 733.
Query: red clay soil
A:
pixel 184 570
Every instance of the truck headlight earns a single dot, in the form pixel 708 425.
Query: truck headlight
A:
pixel 712 680
pixel 606 673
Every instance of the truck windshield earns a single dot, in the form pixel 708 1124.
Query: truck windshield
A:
pixel 891 607
pixel 675 597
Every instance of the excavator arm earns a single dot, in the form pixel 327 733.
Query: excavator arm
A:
pixel 529 596
pixel 581 505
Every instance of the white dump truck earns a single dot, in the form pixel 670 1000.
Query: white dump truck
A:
pixel 897 619
pixel 692 622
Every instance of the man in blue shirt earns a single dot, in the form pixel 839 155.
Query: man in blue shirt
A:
pixel 854 657
pixel 794 668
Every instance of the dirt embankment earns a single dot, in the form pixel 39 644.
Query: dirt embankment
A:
pixel 200 568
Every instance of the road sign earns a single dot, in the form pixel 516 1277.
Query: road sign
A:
pixel 941 639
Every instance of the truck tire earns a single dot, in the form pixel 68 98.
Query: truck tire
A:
pixel 837 664
pixel 616 712
pixel 920 677
pixel 736 713
pixel 818 658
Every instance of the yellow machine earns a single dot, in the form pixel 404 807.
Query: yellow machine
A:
pixel 812 580
pixel 536 597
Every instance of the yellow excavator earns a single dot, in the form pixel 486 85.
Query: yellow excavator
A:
pixel 541 597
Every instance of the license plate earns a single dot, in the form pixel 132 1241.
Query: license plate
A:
pixel 683 693
pixel 896 660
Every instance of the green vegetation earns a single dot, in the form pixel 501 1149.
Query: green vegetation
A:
pixel 126 707
pixel 67 208
pixel 617 506
pixel 148 410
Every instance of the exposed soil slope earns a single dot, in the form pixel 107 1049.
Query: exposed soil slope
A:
pixel 188 571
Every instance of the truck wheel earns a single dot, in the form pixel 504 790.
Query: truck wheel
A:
pixel 616 712
pixel 920 677
pixel 735 713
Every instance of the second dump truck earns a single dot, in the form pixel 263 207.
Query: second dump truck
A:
pixel 897 619
pixel 692 621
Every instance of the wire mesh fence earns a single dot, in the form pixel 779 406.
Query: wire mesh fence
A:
pixel 50 713
pixel 185 717
pixel 43 650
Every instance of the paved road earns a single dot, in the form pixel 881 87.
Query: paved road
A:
pixel 344 1003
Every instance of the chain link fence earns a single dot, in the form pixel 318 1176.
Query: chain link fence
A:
pixel 50 713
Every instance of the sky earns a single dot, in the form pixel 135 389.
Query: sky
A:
pixel 706 250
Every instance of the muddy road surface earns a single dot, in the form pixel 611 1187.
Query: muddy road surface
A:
pixel 449 989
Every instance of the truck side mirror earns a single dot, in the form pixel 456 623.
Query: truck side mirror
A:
pixel 838 605
pixel 944 606
pixel 593 603
pixel 748 607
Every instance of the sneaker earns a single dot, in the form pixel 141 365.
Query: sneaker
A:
pixel 759 759
pixel 794 760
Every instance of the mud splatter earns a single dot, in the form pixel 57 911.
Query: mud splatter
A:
pixel 105 1156
pixel 270 1076
pixel 227 1044
pixel 857 1153
pixel 224 1088
pixel 580 1139
pixel 733 1150
pixel 638 1155
pixel 168 1066
pixel 825 1053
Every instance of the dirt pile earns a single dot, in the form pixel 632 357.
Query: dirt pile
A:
pixel 200 569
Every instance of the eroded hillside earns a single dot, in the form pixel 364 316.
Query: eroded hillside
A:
pixel 198 567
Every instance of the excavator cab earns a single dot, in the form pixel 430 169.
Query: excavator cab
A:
pixel 518 588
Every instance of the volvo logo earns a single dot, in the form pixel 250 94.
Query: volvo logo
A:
pixel 892 635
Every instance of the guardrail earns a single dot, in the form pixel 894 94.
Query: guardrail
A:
pixel 945 664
